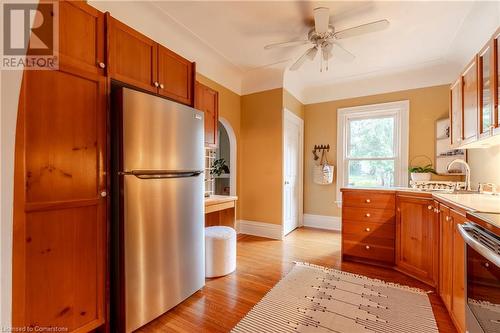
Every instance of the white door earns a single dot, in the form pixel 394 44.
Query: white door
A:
pixel 292 146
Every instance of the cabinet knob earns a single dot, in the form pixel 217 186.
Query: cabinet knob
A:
pixel 367 229
pixel 162 86
pixel 447 218
pixel 104 194
pixel 368 201
pixel 367 247
pixel 429 207
pixel 102 65
pixel 367 214
pixel 156 84
pixel 486 264
pixel 436 210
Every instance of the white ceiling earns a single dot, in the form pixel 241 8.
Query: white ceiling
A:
pixel 420 33
pixel 427 42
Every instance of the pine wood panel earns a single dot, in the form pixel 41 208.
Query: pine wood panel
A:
pixel 81 37
pixel 132 57
pixel 369 229
pixel 368 214
pixel 446 255
pixel 175 75
pixel 417 238
pixel 59 217
pixel 458 285
pixel 261 263
pixel 470 102
pixel 207 100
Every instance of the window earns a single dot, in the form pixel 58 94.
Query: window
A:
pixel 372 143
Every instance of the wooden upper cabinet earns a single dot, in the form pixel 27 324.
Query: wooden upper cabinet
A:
pixel 458 267
pixel 470 102
pixel 59 252
pixel 175 76
pixel 486 98
pixel 132 56
pixel 495 79
pixel 81 37
pixel 456 113
pixel 446 230
pixel 207 100
pixel 417 232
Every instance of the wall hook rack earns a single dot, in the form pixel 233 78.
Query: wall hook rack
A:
pixel 320 148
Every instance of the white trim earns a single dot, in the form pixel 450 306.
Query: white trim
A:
pixel 402 111
pixel 292 117
pixel 322 222
pixel 233 166
pixel 261 229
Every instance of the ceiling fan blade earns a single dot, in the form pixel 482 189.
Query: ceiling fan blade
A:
pixel 321 19
pixel 286 44
pixel 342 53
pixel 362 29
pixel 311 53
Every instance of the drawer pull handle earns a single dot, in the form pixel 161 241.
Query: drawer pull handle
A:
pixel 367 214
pixel 367 229
pixel 429 207
pixel 368 201
pixel 367 247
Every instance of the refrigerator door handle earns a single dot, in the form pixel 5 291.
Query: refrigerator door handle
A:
pixel 161 174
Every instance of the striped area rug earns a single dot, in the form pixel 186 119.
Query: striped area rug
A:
pixel 318 299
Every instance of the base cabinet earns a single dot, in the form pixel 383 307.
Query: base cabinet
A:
pixel 417 238
pixel 458 273
pixel 446 255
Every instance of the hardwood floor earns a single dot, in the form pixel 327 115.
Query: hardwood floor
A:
pixel 261 263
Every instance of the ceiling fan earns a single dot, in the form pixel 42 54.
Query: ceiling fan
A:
pixel 323 36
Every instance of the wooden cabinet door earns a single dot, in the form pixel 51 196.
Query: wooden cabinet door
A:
pixel 458 289
pixel 456 113
pixel 81 37
pixel 495 79
pixel 446 231
pixel 486 115
pixel 417 243
pixel 59 253
pixel 470 102
pixel 132 57
pixel 207 100
pixel 175 75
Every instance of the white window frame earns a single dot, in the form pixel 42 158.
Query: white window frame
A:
pixel 400 110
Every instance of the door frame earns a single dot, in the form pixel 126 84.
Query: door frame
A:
pixel 289 116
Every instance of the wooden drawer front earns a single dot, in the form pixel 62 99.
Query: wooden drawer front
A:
pixel 368 214
pixel 369 229
pixel 369 199
pixel 368 251
pixel 368 240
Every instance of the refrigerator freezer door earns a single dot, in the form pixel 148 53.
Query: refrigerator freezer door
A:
pixel 159 134
pixel 164 245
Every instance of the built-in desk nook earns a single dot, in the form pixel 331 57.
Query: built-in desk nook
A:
pixel 220 210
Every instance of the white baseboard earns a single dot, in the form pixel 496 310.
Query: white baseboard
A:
pixel 261 229
pixel 322 222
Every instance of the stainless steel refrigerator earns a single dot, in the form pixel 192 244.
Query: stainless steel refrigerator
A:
pixel 158 224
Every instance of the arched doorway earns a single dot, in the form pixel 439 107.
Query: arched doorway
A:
pixel 226 132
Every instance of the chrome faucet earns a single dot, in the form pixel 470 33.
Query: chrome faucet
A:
pixel 467 171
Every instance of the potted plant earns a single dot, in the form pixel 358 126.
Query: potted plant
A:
pixel 419 173
pixel 219 167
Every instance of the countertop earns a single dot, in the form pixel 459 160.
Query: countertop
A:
pixel 218 199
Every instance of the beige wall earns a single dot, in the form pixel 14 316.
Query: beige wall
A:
pixel 261 137
pixel 484 166
pixel 229 109
pixel 426 106
pixel 293 104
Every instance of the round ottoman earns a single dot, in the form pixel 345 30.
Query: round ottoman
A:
pixel 220 251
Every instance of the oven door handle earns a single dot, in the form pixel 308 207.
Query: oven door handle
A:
pixel 480 248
